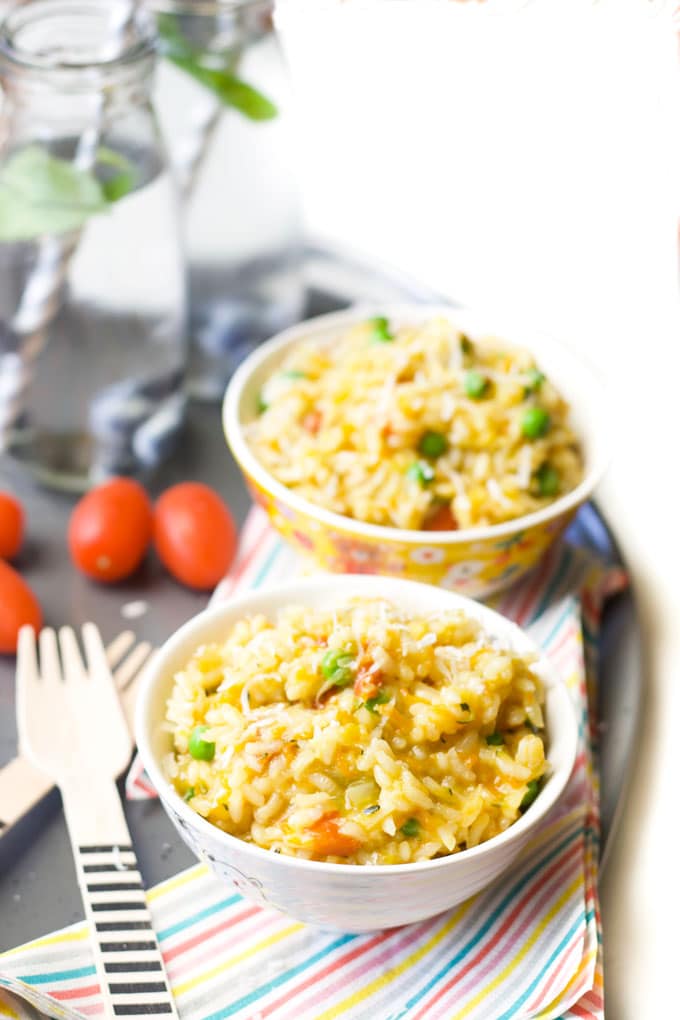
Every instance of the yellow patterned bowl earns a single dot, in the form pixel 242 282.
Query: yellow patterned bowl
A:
pixel 474 561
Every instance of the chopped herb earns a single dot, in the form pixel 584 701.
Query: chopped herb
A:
pixel 277 850
pixel 189 794
pixel 200 749
pixel 293 373
pixel 465 344
pixel 371 810
pixel 421 472
pixel 475 385
pixel 535 422
pixel 534 381
pixel 380 699
pixel 530 726
pixel 464 705
pixel 548 480
pixel 433 444
pixel 381 330
pixel 495 739
pixel 336 666
pixel 533 786
pixel 411 827
pixel 261 404
pixel 449 790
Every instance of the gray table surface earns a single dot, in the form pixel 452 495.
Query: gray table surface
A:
pixel 38 890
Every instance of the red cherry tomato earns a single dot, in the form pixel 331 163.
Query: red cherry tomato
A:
pixel 11 526
pixel 110 530
pixel 194 534
pixel 18 606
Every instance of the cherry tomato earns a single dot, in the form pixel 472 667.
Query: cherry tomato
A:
pixel 11 526
pixel 110 530
pixel 194 534
pixel 18 606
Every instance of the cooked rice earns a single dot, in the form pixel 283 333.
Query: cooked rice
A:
pixel 433 745
pixel 341 422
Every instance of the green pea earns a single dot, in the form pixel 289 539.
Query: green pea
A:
pixel 433 444
pixel 475 385
pixel 421 472
pixel 411 827
pixel 380 699
pixel 495 739
pixel 202 750
pixel 534 381
pixel 535 422
pixel 548 480
pixel 381 330
pixel 336 666
pixel 533 787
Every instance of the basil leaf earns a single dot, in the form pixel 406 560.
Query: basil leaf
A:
pixel 42 194
pixel 230 90
pixel 118 185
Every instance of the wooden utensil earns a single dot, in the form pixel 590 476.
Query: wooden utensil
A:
pixel 72 727
pixel 22 786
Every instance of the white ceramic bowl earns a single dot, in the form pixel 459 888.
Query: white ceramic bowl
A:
pixel 351 898
pixel 473 561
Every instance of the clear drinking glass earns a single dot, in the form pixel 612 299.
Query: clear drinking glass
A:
pixel 222 98
pixel 92 292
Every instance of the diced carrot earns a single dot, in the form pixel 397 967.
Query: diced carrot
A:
pixel 312 422
pixel 442 520
pixel 329 841
pixel 367 685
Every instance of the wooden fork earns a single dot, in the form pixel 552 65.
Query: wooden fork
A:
pixel 22 786
pixel 72 727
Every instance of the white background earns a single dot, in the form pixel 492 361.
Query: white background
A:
pixel 529 161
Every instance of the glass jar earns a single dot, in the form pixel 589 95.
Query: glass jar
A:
pixel 222 96
pixel 92 291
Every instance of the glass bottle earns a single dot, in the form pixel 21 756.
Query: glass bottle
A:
pixel 222 98
pixel 92 291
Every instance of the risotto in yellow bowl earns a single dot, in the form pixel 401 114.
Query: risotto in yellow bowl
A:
pixel 360 734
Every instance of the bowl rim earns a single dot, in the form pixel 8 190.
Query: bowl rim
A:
pixel 251 466
pixel 156 672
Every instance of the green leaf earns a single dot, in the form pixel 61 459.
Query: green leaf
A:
pixel 230 90
pixel 42 194
pixel 533 790
pixel 120 184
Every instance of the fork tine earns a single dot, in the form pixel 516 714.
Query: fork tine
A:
pixel 119 646
pixel 26 679
pixel 97 663
pixel 132 665
pixel 27 656
pixel 49 656
pixel 74 670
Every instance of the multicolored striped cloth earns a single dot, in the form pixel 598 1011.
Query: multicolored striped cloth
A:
pixel 529 946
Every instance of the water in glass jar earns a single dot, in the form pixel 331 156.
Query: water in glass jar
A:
pixel 91 330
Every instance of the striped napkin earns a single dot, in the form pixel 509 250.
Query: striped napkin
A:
pixel 529 946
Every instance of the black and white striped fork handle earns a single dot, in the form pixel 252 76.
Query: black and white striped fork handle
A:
pixel 129 965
